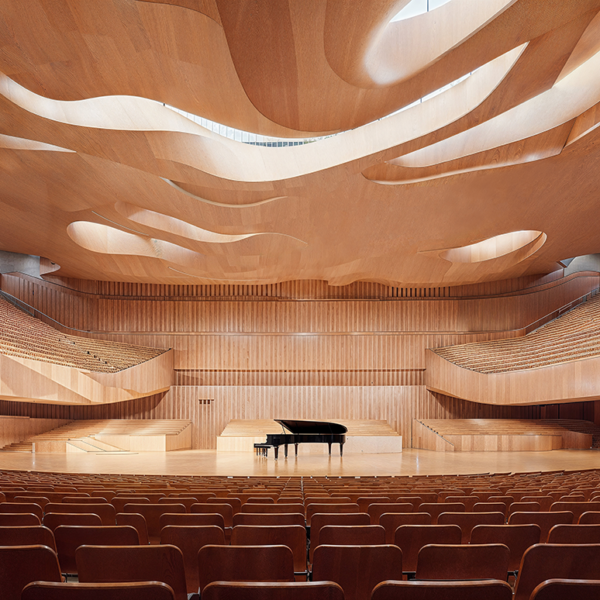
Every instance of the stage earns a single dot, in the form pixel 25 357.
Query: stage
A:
pixel 211 462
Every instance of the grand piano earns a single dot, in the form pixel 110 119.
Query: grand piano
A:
pixel 303 432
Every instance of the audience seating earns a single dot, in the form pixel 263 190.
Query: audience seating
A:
pixel 152 514
pixel 545 520
pixel 225 510
pixel 114 564
pixel 105 511
pixel 145 590
pixel 465 561
pixel 16 519
pixel 551 561
pixel 590 518
pixel 391 521
pixel 574 534
pixel 442 590
pixel 562 589
pixel 313 509
pixel 20 565
pixel 377 509
pixel 190 539
pixel 269 519
pixel 315 590
pixel 352 535
pixel 357 569
pixel 517 538
pixel 22 507
pixel 411 538
pixel 119 502
pixel 320 520
pixel 138 522
pixel 577 508
pixel 245 563
pixel 27 535
pixel 466 521
pixel 70 537
pixel 435 510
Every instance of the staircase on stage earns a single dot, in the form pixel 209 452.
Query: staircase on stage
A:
pixel 363 437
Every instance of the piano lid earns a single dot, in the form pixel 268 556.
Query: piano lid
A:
pixel 314 427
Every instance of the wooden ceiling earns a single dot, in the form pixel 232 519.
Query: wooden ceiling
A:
pixel 103 179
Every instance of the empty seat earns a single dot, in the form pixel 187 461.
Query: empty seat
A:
pixel 54 520
pixel 365 501
pixel 119 502
pixel 27 535
pixel 574 534
pixel 435 510
pixel 225 510
pixel 481 561
pixel 391 521
pixel 517 538
pixel 466 521
pixel 561 589
pixel 227 590
pixel 313 509
pixel 577 508
pixel 377 509
pixel 556 561
pixel 468 501
pixel 70 537
pixel 105 511
pixel 523 507
pixel 186 501
pixel 199 519
pixel 273 508
pixel 352 535
pixel 146 590
pixel 22 507
pixel 589 518
pixel 357 569
pixel 40 500
pixel 152 514
pixel 269 519
pixel 245 563
pixel 83 500
pixel 545 520
pixel 411 538
pixel 112 564
pixel 136 521
pixel 190 539
pixel 321 520
pixel 491 507
pixel 20 565
pixel 442 590
pixel 16 519
pixel 235 503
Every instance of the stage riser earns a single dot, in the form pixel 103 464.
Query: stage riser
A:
pixel 363 444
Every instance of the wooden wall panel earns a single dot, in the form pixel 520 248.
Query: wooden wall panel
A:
pixel 16 429
pixel 300 349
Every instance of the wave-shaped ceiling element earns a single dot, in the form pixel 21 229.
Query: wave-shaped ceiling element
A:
pixel 513 147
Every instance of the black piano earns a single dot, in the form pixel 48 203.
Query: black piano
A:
pixel 304 432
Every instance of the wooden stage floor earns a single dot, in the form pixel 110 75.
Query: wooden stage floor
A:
pixel 210 462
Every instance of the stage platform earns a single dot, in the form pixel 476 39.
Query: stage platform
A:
pixel 211 462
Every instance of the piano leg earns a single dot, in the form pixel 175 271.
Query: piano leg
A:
pixel 296 448
pixel 286 450
pixel 329 444
pixel 276 448
pixel 341 449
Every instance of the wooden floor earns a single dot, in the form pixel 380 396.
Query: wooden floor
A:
pixel 209 462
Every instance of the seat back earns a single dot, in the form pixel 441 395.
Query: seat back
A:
pixel 466 521
pixel 70 537
pixel 20 565
pixel 17 519
pixel 245 563
pixel 235 503
pixel 145 590
pixel 320 520
pixel 352 535
pixel 411 538
pixel 545 502
pixel 468 501
pixel 106 564
pixel 365 501
pixel 313 509
pixel 273 508
pixel 185 500
pixel 391 521
pixel 517 538
pixel 269 519
pixel 198 519
pixel 223 509
pixel 559 589
pixel 465 561
pixel 587 518
pixel 119 502
pixel 27 535
pixel 577 508
pixel 435 510
pixel 39 500
pixel 357 569
pixel 442 590
pixel 491 507
pixel 104 510
pixel 83 500
pixel 524 507
pixel 562 561
pixel 136 521
pixel 545 520
pixel 152 514
pixel 54 520
pixel 189 539
pixel 22 507
pixel 231 590
pixel 574 534
pixel 292 536
pixel 379 508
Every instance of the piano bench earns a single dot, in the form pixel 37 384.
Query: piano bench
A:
pixel 262 449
